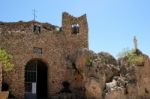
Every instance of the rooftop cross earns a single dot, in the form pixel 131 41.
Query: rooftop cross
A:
pixel 34 14
pixel 135 43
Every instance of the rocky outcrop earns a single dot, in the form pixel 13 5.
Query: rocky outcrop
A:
pixel 104 77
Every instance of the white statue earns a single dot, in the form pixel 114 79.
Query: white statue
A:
pixel 135 43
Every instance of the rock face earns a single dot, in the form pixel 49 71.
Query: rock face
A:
pixel 104 77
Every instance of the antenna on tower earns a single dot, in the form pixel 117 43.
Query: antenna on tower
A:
pixel 34 14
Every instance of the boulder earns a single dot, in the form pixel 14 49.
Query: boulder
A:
pixel 101 76
pixel 93 89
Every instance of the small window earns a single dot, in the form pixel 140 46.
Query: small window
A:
pixel 36 28
pixel 37 50
pixel 75 28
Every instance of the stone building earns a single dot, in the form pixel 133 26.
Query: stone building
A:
pixel 54 62
pixel 41 54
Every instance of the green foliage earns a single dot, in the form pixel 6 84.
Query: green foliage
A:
pixel 124 53
pixel 106 60
pixel 133 57
pixel 89 62
pixel 5 59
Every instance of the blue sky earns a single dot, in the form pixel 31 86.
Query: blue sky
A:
pixel 112 23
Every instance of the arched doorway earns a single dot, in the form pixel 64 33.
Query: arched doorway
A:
pixel 36 80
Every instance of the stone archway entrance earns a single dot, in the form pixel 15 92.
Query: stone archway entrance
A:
pixel 36 80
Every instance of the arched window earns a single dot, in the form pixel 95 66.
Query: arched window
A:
pixel 75 28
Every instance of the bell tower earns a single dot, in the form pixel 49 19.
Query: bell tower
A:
pixel 75 30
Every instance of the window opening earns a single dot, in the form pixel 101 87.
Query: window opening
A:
pixel 75 28
pixel 36 29
pixel 37 50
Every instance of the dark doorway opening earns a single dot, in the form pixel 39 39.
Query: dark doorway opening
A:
pixel 36 80
pixel 42 80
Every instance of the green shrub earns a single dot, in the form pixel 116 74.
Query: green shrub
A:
pixel 106 60
pixel 5 59
pixel 124 53
pixel 133 56
pixel 89 62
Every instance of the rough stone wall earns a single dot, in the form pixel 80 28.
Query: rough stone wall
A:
pixel 22 51
pixel 19 39
pixel 75 40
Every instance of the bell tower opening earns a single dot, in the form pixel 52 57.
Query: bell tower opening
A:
pixel 75 28
pixel 36 80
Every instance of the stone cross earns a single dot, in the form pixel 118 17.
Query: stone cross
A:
pixel 135 43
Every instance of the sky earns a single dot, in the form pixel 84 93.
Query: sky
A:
pixel 112 23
